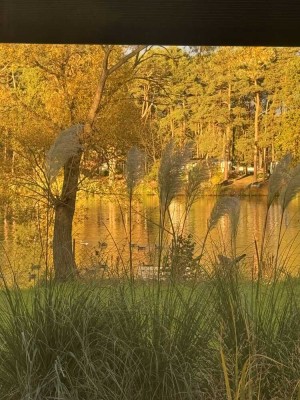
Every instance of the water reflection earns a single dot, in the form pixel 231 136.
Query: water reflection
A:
pixel 100 220
pixel 112 225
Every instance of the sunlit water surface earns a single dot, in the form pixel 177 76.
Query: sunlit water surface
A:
pixel 101 232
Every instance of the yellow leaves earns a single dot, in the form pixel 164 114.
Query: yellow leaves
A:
pixel 254 60
pixel 53 83
pixel 55 107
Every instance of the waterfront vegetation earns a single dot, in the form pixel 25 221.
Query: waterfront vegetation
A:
pixel 196 331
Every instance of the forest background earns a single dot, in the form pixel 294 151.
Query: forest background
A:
pixel 238 104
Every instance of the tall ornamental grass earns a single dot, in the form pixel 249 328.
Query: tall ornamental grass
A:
pixel 211 340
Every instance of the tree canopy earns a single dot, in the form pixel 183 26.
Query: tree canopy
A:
pixel 233 103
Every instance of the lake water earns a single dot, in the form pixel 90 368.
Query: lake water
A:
pixel 101 233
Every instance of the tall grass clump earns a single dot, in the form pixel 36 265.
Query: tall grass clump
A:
pixel 170 182
pixel 285 184
pixel 208 340
pixel 176 249
pixel 258 337
pixel 100 342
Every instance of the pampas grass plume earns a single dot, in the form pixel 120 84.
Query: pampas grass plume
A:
pixel 171 170
pixel 292 188
pixel 196 176
pixel 134 168
pixel 229 206
pixel 66 145
pixel 279 178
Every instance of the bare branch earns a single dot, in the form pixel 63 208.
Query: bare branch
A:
pixel 124 59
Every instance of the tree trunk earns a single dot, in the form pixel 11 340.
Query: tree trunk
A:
pixel 255 157
pixel 227 137
pixel 272 150
pixel 264 163
pixel 63 256
pixel 112 171
pixel 225 157
pixel 5 152
pixel 12 162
